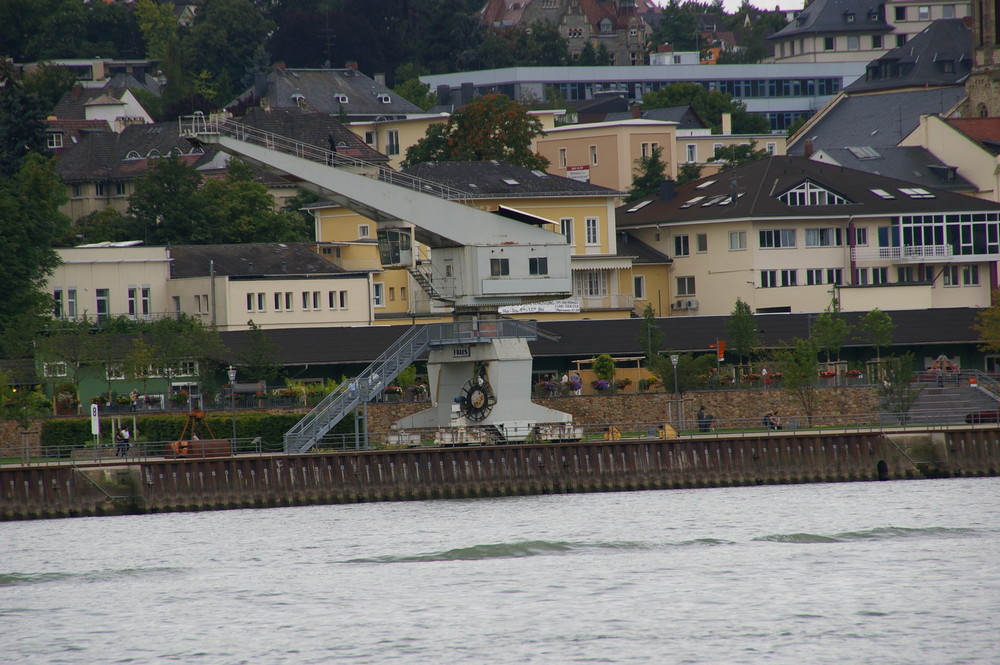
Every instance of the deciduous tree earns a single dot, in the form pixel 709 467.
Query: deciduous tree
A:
pixel 742 330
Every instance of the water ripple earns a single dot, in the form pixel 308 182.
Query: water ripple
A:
pixel 879 533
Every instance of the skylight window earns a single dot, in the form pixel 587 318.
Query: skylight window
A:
pixel 883 194
pixel 713 200
pixel 639 206
pixel 864 152
pixel 691 202
pixel 707 183
pixel 510 181
pixel 916 192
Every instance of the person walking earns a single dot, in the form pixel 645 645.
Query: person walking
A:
pixel 126 440
pixel 120 444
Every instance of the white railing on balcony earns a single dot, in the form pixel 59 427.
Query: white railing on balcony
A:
pixel 904 254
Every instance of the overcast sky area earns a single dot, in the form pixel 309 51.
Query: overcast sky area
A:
pixel 733 5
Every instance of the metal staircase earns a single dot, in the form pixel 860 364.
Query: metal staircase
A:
pixel 420 276
pixel 410 346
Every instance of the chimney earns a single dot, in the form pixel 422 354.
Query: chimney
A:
pixel 380 79
pixel 807 150
pixel 351 64
pixel 468 92
pixel 636 110
pixel 667 190
pixel 260 85
pixel 443 94
pixel 727 124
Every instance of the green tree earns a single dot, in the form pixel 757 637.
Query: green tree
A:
pixel 651 338
pixel 19 403
pixel 741 327
pixel 735 155
pixel 49 83
pixel 648 175
pixel 29 223
pixel 987 326
pixel 877 327
pixel 678 26
pixel 710 105
pixel 898 392
pixel 536 45
pixel 22 122
pixel 70 346
pixel 689 171
pixel 139 362
pixel 412 90
pixel 829 332
pixel 260 357
pixel 799 368
pixel 490 127
pixel 604 367
pixel 165 206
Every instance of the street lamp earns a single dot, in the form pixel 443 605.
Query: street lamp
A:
pixel 674 358
pixel 232 400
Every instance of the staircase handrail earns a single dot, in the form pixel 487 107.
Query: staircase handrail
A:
pixel 198 124
pixel 986 384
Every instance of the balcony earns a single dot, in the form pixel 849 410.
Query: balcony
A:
pixel 905 254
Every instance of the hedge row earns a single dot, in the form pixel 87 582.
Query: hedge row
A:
pixel 63 434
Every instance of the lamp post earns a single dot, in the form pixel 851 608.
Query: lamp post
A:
pixel 674 358
pixel 232 400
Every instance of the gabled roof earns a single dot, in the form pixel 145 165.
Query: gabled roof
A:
pixel 753 190
pixel 685 116
pixel 939 55
pixel 877 119
pixel 334 91
pixel 502 179
pixel 629 245
pixel 73 104
pixel 835 17
pixel 913 164
pixel 249 260
pixel 985 131
pixel 317 129
pixel 110 156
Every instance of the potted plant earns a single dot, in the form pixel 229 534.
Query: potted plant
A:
pixel 622 383
pixel 751 378
pixel 180 397
pixel 646 384
pixel 600 385
pixel 853 374
pixel 828 374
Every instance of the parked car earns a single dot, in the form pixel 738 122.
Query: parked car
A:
pixel 989 416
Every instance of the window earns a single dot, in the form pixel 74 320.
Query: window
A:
pixel 692 152
pixel 590 283
pixel 777 238
pixel 499 267
pixel 591 228
pixel 262 302
pixel 861 236
pixel 332 299
pixel 701 243
pixel 279 301
pixel 810 194
pixel 861 276
pixel 402 293
pixel 54 140
pixel 378 294
pixel 681 246
pixel 880 276
pixel 737 240
pixel 593 154
pixel 392 139
pixel 119 189
pixel 77 191
pixel 562 157
pixel 876 42
pixel 144 298
pixel 768 279
pixel 392 294
pixel 814 276
pixel 849 17
pixel 55 369
pixel 566 228
pixel 685 286
pixel 853 43
pixel 950 276
pixel 371 138
pixel 341 98
pixel 789 277
pixel 639 286
pixel 71 303
pixel 970 275
pixel 900 13
pixel 100 189
pixel 343 300
pixel 103 303
pixel 823 238
pixel 305 301
pixel 538 265
pixel 947 11
pixel 829 43
pixel 288 301
pixel 835 276
pixel 900 40
pixel 251 303
pixel 385 99
pixel 132 297
pixel 315 300
pixel 363 230
pixel 924 13
pixel 771 148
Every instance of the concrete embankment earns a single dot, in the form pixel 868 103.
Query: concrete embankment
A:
pixel 388 475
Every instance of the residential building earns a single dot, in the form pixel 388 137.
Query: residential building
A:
pixel 344 93
pixel 911 17
pixel 607 153
pixel 787 234
pixel 276 285
pixel 971 146
pixel 782 92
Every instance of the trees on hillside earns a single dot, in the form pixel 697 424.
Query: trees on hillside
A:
pixel 710 105
pixel 489 127
pixel 647 176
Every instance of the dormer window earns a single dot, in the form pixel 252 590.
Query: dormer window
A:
pixel 153 154
pixel 605 25
pixel 385 99
pixel 340 98
pixel 873 16
pixel 849 17
pixel 132 154
pixel 54 140
pixel 811 194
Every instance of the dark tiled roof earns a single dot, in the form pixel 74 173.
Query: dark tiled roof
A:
pixel 940 55
pixel 316 90
pixel 759 184
pixel 586 339
pixel 312 128
pixel 249 259
pixel 876 119
pixel 833 16
pixel 492 178
pixel 685 116
pixel 72 105
pixel 913 164
pixel 629 245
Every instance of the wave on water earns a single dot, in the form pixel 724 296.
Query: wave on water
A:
pixel 878 533
pixel 504 551
pixel 19 579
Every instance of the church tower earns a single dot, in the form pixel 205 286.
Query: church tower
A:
pixel 983 84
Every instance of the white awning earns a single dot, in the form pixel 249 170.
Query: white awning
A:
pixel 600 263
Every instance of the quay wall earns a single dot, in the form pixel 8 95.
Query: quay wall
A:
pixel 149 486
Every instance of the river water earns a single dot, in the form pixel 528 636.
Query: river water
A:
pixel 891 572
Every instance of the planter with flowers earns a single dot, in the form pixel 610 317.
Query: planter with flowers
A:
pixel 601 385
pixel 852 374
pixel 647 384
pixel 393 393
pixel 180 397
pixel 621 384
pixel 828 374
pixel 546 388
pixel 751 378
